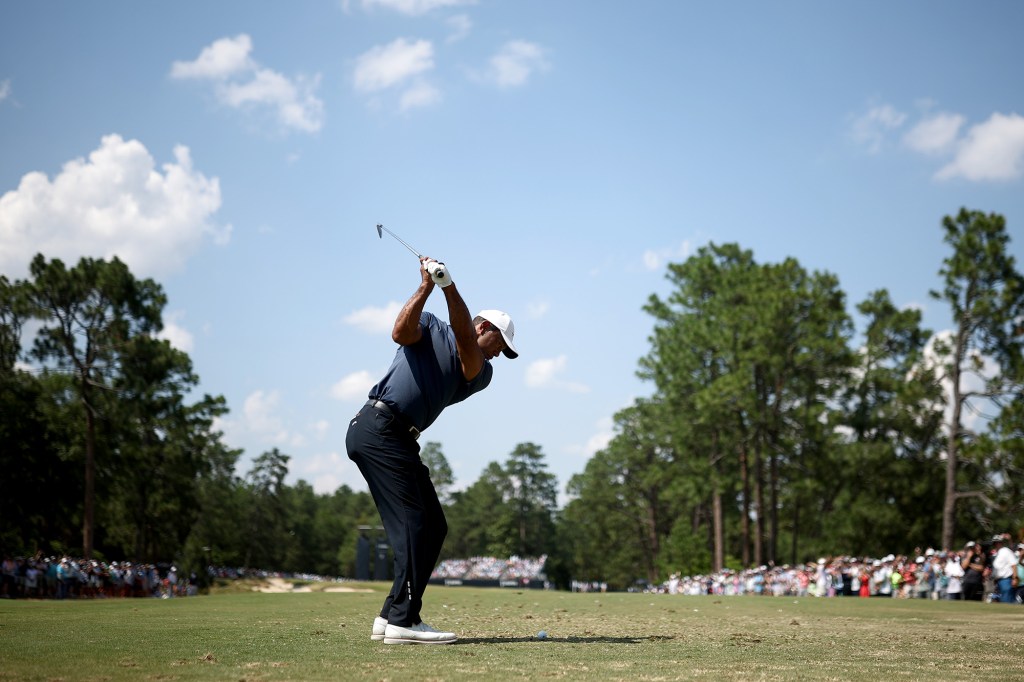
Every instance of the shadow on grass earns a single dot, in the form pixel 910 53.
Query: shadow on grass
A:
pixel 562 640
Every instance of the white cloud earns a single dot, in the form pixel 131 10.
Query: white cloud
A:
pixel 993 150
pixel 989 151
pixel 239 82
pixel 461 25
pixel 970 381
pixel 420 95
pixel 935 134
pixel 353 386
pixel 537 309
pixel 258 411
pixel 598 441
pixel 870 129
pixel 513 64
pixel 5 89
pixel 414 7
pixel 114 203
pixel 328 471
pixel 375 320
pixel 655 259
pixel 540 372
pixel 260 418
pixel 220 59
pixel 260 425
pixel 383 66
pixel 605 431
pixel 544 373
pixel 320 428
pixel 296 104
pixel 178 336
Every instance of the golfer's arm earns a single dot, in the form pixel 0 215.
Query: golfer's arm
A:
pixel 407 325
pixel 470 355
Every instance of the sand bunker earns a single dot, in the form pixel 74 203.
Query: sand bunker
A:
pixel 281 586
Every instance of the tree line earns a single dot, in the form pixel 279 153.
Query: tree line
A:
pixel 774 431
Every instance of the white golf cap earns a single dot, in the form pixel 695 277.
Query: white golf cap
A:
pixel 503 322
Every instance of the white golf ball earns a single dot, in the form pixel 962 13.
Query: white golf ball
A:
pixel 542 634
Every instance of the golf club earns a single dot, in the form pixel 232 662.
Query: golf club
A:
pixel 435 269
pixel 400 240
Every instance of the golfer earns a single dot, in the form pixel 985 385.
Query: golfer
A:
pixel 437 365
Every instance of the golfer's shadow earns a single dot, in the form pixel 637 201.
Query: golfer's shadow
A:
pixel 562 640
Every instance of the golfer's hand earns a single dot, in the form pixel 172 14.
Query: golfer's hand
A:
pixel 425 272
pixel 438 272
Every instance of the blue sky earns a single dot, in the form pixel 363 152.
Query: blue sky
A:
pixel 556 155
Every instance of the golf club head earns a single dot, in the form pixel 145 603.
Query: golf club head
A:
pixel 380 231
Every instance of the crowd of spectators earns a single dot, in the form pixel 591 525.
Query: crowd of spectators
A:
pixel 491 568
pixel 992 572
pixel 453 568
pixel 65 577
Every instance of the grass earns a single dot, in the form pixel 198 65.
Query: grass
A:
pixel 247 636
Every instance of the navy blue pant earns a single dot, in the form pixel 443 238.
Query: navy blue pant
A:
pixel 407 502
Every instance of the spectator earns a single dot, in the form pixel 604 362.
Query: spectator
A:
pixel 673 584
pixel 1004 568
pixel 880 584
pixel 9 587
pixel 116 580
pixel 922 579
pixel 32 575
pixel 933 571
pixel 1020 574
pixel 974 564
pixel 51 577
pixel 172 581
pixel 865 581
pixel 63 579
pixel 896 578
pixel 953 572
pixel 803 583
pixel 821 579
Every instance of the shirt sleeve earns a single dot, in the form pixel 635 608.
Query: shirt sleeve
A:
pixel 481 380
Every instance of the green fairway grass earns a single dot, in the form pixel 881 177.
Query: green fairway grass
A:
pixel 325 636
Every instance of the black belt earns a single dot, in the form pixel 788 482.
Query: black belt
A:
pixel 386 409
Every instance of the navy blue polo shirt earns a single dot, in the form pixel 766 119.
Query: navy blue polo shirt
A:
pixel 426 377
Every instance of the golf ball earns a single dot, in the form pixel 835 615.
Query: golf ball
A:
pixel 542 634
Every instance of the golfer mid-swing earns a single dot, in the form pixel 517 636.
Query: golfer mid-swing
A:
pixel 437 365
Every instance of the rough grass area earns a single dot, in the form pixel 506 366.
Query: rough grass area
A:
pixel 325 636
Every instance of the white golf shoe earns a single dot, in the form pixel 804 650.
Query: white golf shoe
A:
pixel 417 634
pixel 379 625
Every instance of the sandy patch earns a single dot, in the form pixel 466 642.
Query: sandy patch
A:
pixel 274 586
pixel 281 586
pixel 278 585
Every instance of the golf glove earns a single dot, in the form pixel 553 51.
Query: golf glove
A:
pixel 439 273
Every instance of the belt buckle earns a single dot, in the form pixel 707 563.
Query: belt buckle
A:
pixel 415 432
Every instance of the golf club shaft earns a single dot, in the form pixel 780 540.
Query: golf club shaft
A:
pixel 400 240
